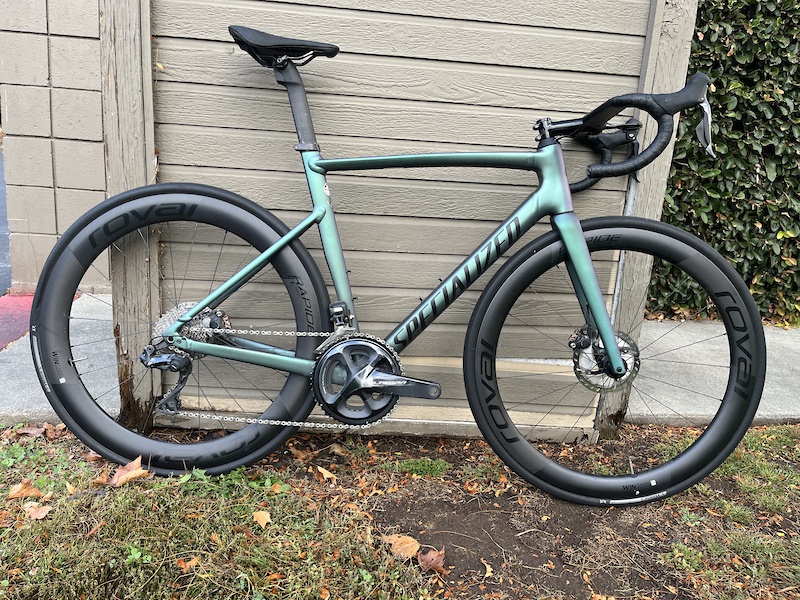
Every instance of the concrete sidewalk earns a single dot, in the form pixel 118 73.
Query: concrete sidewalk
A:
pixel 22 399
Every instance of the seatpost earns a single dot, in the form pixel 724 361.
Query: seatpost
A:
pixel 288 76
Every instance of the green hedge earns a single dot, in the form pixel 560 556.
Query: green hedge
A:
pixel 746 202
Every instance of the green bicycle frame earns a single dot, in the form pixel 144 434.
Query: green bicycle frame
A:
pixel 552 198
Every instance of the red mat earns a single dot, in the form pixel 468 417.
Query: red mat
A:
pixel 15 314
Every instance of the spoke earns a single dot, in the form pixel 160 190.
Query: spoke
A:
pixel 568 389
pixel 652 356
pixel 669 408
pixel 679 387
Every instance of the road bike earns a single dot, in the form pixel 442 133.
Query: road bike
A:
pixel 189 325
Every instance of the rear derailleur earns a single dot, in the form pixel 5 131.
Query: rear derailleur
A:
pixel 167 358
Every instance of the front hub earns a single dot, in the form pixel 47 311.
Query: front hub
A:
pixel 593 369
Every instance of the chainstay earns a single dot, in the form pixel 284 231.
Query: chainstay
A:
pixel 278 422
pixel 273 422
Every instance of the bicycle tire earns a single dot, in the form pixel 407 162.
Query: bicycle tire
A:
pixel 532 395
pixel 182 241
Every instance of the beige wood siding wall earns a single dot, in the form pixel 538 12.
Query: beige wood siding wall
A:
pixel 412 76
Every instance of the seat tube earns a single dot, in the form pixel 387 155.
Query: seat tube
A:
pixel 329 233
pixel 586 285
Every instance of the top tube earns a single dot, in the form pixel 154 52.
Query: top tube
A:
pixel 527 161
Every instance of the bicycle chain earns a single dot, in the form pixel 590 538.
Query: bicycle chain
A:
pixel 275 422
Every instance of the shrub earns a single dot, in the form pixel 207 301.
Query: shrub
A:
pixel 745 202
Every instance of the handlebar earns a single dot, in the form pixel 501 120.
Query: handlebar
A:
pixel 659 106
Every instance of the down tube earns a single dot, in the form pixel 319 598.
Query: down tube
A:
pixel 475 265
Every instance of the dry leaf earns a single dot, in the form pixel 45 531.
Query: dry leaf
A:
pixel 323 474
pixel 30 431
pixel 24 489
pixel 432 560
pixel 338 449
pixel 35 511
pixel 187 566
pixel 133 470
pixel 489 569
pixel 324 593
pixel 53 432
pixel 262 518
pixel 102 479
pixel 91 456
pixel 95 529
pixel 215 539
pixel 302 455
pixel 70 489
pixel 5 519
pixel 403 546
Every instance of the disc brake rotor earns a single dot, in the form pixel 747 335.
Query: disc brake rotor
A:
pixel 592 366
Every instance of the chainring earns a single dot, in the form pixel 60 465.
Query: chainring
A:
pixel 341 375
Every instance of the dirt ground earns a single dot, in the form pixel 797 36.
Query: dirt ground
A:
pixel 504 539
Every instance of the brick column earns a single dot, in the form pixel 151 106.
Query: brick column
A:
pixel 51 114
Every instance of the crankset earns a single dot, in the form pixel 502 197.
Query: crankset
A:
pixel 358 379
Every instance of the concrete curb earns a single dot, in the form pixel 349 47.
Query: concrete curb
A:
pixel 21 396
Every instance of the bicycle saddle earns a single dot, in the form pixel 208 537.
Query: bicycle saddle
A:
pixel 270 50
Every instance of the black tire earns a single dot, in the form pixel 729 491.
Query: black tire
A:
pixel 523 379
pixel 181 241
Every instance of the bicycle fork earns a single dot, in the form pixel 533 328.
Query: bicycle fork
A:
pixel 587 289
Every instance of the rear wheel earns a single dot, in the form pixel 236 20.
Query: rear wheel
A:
pixel 556 417
pixel 125 272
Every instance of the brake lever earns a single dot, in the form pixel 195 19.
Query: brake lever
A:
pixel 631 153
pixel 703 130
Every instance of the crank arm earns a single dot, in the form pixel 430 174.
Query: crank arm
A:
pixel 400 385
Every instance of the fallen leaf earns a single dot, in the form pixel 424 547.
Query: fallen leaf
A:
pixel 403 546
pixel 215 539
pixel 302 455
pixel 262 518
pixel 489 569
pixel 91 456
pixel 102 479
pixel 71 489
pixel 187 566
pixel 276 577
pixel 338 450
pixel 95 529
pixel 133 470
pixel 24 489
pixel 35 511
pixel 53 432
pixel 323 474
pixel 432 560
pixel 30 431
pixel 5 519
pixel 324 593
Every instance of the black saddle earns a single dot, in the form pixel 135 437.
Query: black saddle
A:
pixel 270 50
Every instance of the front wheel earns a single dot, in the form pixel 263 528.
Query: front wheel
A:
pixel 538 384
pixel 125 272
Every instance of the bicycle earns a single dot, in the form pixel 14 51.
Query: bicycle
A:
pixel 541 367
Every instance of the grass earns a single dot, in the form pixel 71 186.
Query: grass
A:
pixel 193 536
pixel 281 530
